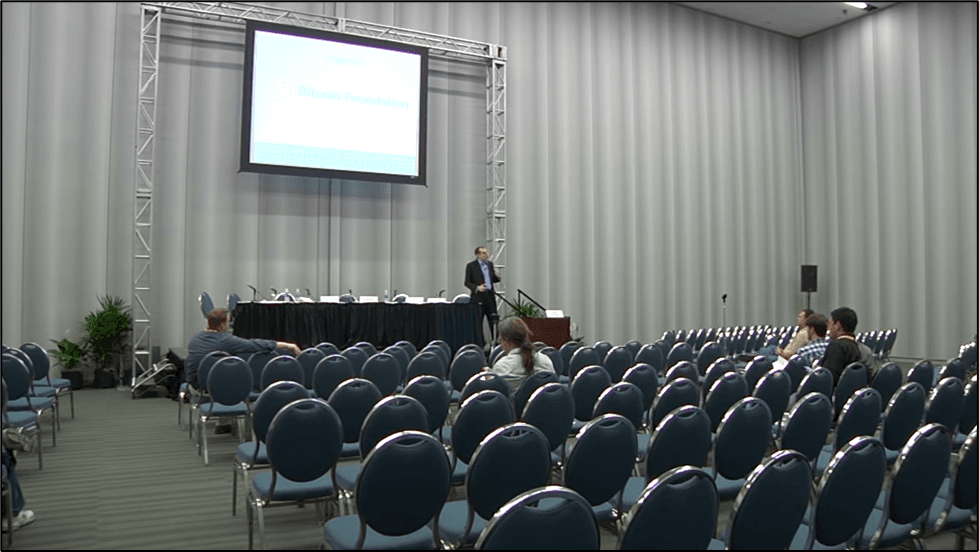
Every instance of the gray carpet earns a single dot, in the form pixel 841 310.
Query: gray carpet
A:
pixel 125 476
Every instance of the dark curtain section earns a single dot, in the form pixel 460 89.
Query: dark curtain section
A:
pixel 308 324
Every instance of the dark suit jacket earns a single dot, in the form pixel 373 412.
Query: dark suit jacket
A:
pixel 474 275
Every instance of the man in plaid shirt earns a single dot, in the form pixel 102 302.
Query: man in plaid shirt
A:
pixel 816 348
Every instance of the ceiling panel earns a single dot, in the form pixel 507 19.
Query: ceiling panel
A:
pixel 795 19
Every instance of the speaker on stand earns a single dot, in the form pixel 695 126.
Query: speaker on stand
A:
pixel 808 283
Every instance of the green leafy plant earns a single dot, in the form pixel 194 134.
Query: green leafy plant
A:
pixel 526 309
pixel 68 353
pixel 107 330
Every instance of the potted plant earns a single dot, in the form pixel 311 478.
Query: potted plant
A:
pixel 70 354
pixel 525 309
pixel 107 338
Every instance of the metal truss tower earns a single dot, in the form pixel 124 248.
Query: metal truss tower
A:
pixel 441 46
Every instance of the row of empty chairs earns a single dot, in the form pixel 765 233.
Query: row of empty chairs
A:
pixel 207 304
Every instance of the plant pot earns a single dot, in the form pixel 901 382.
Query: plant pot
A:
pixel 76 377
pixel 104 379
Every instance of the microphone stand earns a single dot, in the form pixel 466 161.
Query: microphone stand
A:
pixel 724 311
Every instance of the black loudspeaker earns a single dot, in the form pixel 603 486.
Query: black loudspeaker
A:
pixel 808 278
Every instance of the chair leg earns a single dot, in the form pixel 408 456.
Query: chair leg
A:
pixel 234 489
pixel 71 393
pixel 261 525
pixel 202 435
pixel 249 513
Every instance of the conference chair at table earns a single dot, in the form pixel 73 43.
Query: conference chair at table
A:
pixel 902 417
pixel 916 478
pixel 391 415
pixel 461 299
pixel 229 383
pixel 253 455
pixel 770 506
pixel 599 463
pixel 518 450
pixel 550 409
pixel 303 444
pixel 347 298
pixel 676 511
pixel 329 373
pixel 845 496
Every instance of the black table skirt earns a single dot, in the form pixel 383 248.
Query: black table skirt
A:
pixel 308 324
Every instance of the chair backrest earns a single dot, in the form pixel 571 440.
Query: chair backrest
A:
pixel 330 372
pixel 347 298
pixel 400 298
pixel 678 353
pixel 392 415
pixel 434 396
pixel 683 369
pixel 954 369
pixel 485 381
pixel 964 486
pixel 495 353
pixel 304 440
pixel 917 475
pixel 725 393
pixel 529 385
pixel 922 373
pixel 389 497
pixel 853 377
pixel 567 351
pixel 233 300
pixel 464 367
pixel 462 298
pixel 903 415
pixel 683 438
pixel 271 401
pixel 717 369
pixel 807 425
pixel 204 368
pixel 709 354
pixel 673 395
pixel 443 346
pixel 308 359
pixel 616 362
pixel 328 348
pixel 945 403
pixel 547 518
pixel 819 380
pixel 646 379
pixel 478 416
pixel 652 355
pixel 583 356
pixel 601 458
pixel 229 381
pixel 633 346
pixel 888 380
pixel 440 352
pixel 847 492
pixel 357 358
pixel 557 362
pixel 41 363
pixel 518 450
pixel 797 369
pixel 367 347
pixel 586 387
pixel 742 438
pixel 860 416
pixel 755 369
pixel 409 347
pixel 775 388
pixel 602 348
pixel 426 363
pixel 470 346
pixel 967 422
pixel 282 368
pixel 624 399
pixel 550 409
pixel 17 376
pixel 676 511
pixel 771 504
pixel 384 370
pixel 352 400
pixel 257 362
pixel 207 304
pixel 403 359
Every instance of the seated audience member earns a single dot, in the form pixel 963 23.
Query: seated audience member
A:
pixel 519 360
pixel 816 348
pixel 21 517
pixel 843 348
pixel 800 339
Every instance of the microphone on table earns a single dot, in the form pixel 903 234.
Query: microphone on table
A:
pixel 441 292
pixel 724 298
pixel 308 293
pixel 255 292
pixel 351 292
pixel 274 292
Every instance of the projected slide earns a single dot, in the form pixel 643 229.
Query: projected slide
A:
pixel 322 104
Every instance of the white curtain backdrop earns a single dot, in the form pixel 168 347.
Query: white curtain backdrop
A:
pixel 655 161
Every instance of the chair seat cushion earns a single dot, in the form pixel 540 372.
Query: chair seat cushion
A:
pixel 893 533
pixel 341 533
pixel 38 403
pixel 350 450
pixel 642 442
pixel 459 473
pixel 246 451
pixel 44 391
pixel 728 488
pixel 633 488
pixel 57 383
pixel 22 418
pixel 799 540
pixel 604 512
pixel 222 410
pixel 452 521
pixel 347 476
pixel 292 490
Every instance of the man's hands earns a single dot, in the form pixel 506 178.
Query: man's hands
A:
pixel 288 346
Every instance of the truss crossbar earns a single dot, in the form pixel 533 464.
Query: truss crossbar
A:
pixel 438 45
